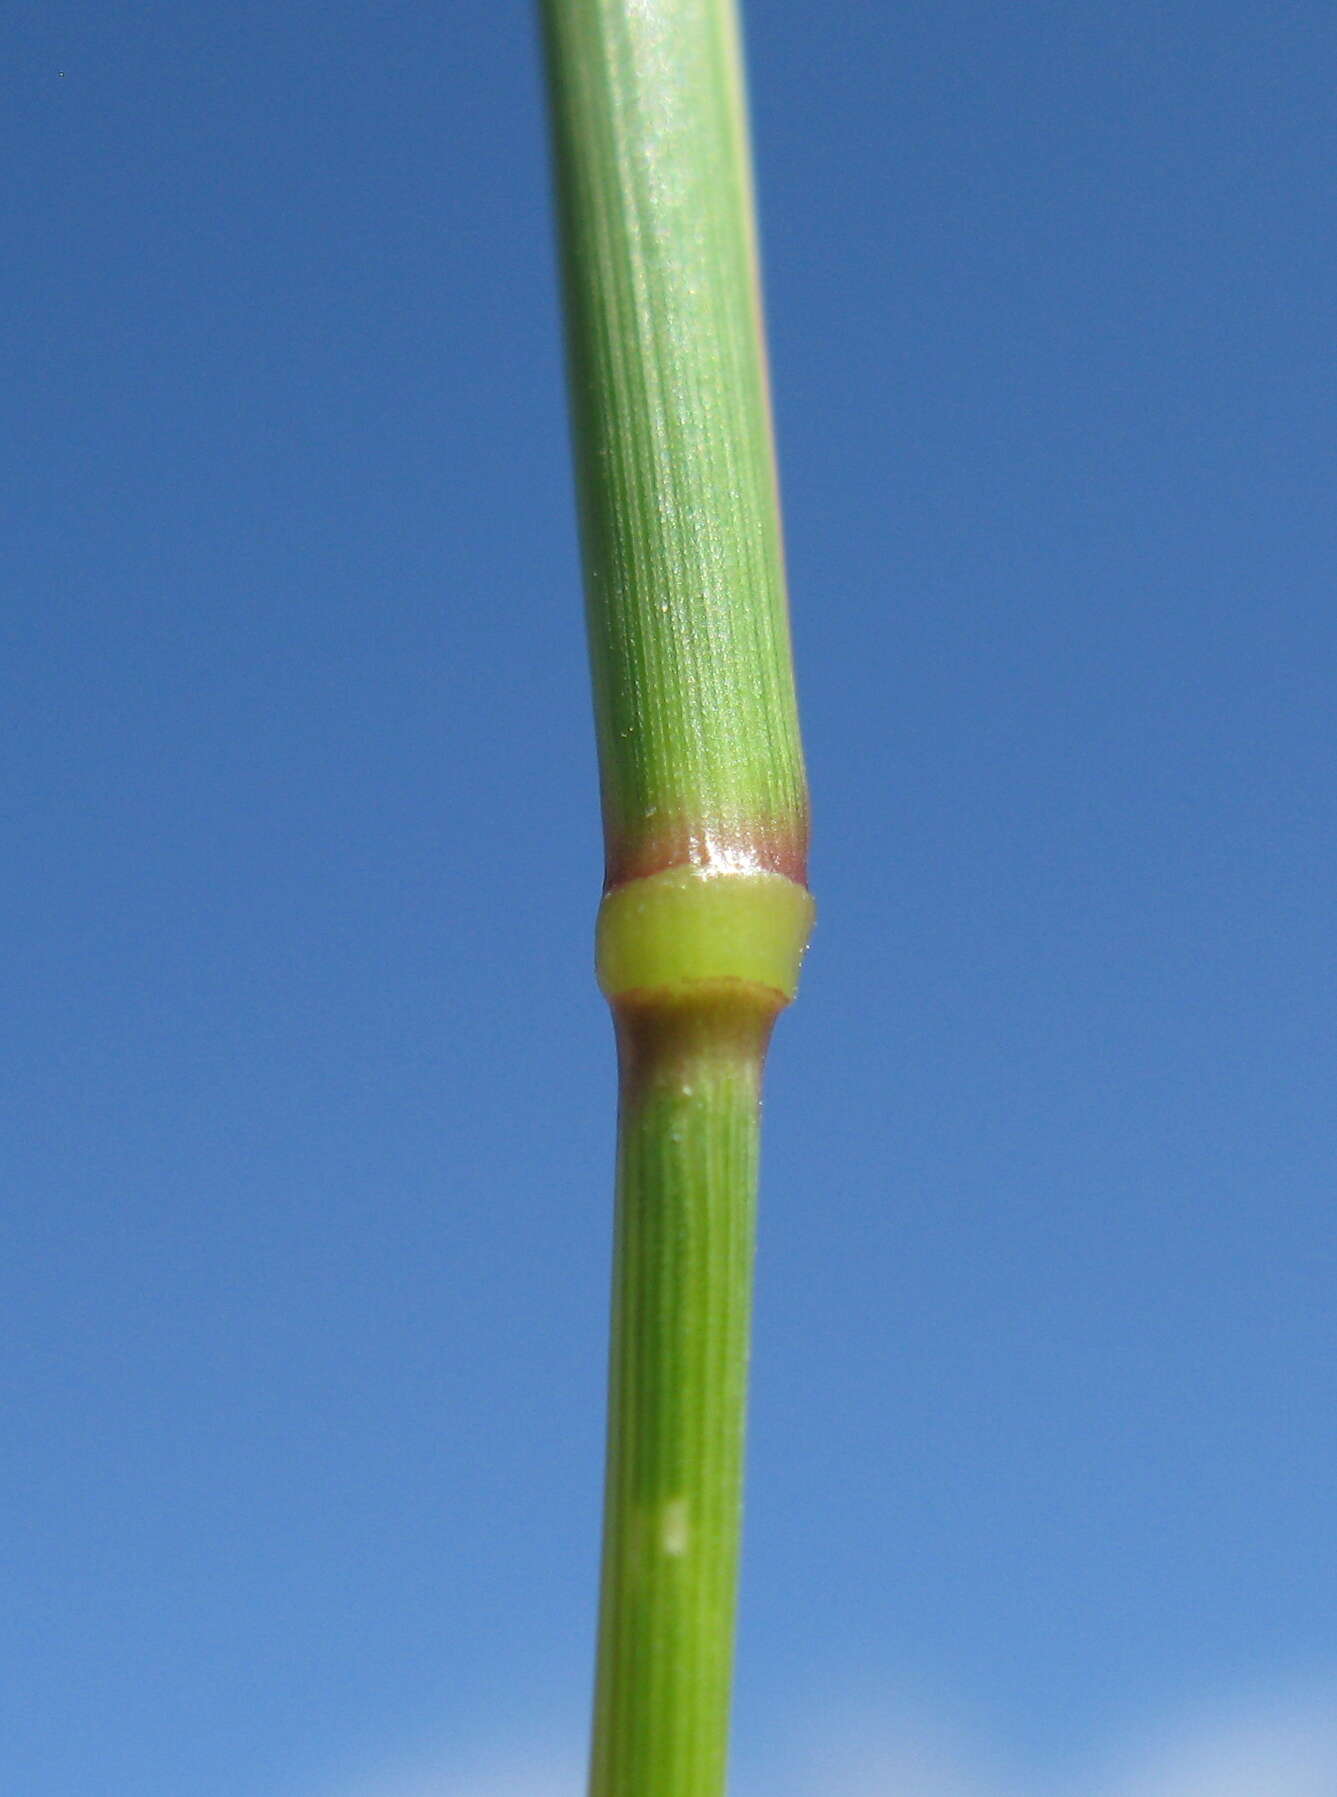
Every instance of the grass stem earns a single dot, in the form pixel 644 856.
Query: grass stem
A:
pixel 706 911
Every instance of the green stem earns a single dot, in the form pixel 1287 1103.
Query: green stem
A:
pixel 687 1162
pixel 706 911
pixel 680 523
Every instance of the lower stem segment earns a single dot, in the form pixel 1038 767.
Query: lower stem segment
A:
pixel 686 1209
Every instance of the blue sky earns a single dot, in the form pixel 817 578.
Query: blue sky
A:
pixel 308 1085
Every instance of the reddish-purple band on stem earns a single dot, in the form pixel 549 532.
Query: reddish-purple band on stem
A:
pixel 721 846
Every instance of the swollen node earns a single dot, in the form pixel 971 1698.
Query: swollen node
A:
pixel 685 931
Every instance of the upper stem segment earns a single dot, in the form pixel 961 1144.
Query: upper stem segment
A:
pixel 689 634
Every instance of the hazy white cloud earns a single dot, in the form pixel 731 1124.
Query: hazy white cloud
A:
pixel 533 1773
pixel 1277 1748
pixel 880 1765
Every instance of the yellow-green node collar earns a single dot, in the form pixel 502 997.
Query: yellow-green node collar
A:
pixel 668 930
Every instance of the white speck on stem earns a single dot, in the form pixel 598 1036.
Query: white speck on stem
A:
pixel 673 1529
